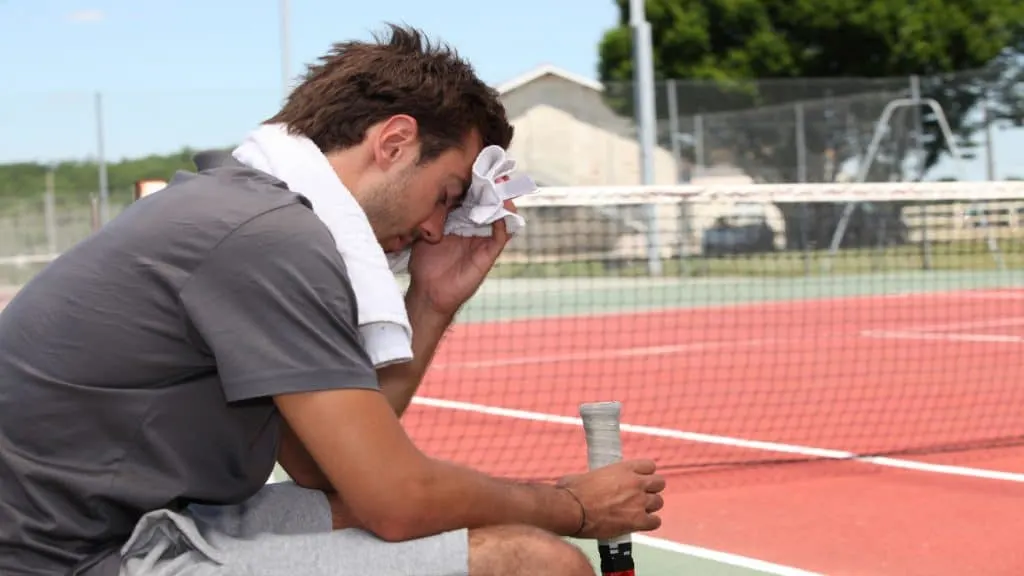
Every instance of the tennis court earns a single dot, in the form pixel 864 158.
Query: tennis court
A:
pixel 859 424
pixel 855 424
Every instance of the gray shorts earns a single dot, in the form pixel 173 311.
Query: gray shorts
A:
pixel 282 531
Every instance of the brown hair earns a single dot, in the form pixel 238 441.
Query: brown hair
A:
pixel 358 84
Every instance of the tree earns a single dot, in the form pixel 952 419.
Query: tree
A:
pixel 75 181
pixel 750 62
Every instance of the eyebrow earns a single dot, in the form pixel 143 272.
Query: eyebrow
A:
pixel 463 183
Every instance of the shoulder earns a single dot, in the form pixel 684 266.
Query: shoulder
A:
pixel 227 209
pixel 282 251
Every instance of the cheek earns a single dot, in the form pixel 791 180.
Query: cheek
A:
pixel 418 207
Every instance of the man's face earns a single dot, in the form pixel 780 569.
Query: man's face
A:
pixel 411 201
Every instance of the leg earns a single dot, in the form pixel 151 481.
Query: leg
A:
pixel 523 550
pixel 282 531
pixel 286 530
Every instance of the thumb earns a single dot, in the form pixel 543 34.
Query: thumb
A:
pixel 567 480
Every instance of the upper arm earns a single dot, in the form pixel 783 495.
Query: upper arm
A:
pixel 359 445
pixel 275 307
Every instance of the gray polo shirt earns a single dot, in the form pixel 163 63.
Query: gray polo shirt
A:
pixel 136 371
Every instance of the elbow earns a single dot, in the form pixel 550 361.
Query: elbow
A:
pixel 406 517
pixel 395 529
pixel 393 524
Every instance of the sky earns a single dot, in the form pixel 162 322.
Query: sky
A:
pixel 204 72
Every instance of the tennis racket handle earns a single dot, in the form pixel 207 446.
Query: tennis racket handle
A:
pixel 616 559
pixel 604 447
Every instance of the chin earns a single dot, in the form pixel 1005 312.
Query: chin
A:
pixel 394 245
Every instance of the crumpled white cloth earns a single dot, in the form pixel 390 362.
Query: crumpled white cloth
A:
pixel 493 182
pixel 383 321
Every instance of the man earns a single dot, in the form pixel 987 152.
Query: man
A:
pixel 153 374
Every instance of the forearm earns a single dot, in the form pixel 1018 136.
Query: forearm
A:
pixel 399 382
pixel 453 497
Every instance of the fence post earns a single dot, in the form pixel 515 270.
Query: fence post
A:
pixel 801 176
pixel 95 206
pixel 50 211
pixel 915 94
pixel 683 242
pixel 101 161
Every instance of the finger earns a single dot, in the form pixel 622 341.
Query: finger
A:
pixel 652 522
pixel 643 466
pixel 511 206
pixel 654 503
pixel 654 483
pixel 499 237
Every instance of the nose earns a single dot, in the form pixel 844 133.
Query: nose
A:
pixel 433 229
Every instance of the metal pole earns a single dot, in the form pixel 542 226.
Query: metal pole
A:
pixel 677 154
pixel 990 158
pixel 50 208
pixel 801 177
pixel 673 125
pixel 915 95
pixel 698 144
pixel 102 161
pixel 286 74
pixel 643 76
pixel 801 145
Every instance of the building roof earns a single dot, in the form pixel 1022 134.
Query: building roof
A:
pixel 548 70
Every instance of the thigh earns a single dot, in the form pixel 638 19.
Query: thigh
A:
pixel 282 531
pixel 349 552
pixel 283 508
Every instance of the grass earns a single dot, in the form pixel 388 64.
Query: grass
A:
pixel 959 256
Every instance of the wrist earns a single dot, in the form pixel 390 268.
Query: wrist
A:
pixel 577 512
pixel 422 311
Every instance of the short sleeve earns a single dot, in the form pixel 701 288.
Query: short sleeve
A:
pixel 274 305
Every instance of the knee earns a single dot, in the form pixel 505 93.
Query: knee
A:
pixel 522 550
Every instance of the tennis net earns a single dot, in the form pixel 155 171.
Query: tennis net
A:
pixel 741 325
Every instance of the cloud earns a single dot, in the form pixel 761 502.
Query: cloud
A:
pixel 86 16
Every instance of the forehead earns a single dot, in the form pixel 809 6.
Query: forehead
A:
pixel 458 161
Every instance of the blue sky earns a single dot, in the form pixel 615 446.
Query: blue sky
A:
pixel 203 72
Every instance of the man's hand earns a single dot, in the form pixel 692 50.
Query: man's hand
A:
pixel 448 273
pixel 618 499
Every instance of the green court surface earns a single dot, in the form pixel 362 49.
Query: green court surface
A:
pixel 656 560
pixel 525 298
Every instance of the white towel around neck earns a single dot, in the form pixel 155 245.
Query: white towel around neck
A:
pixel 383 321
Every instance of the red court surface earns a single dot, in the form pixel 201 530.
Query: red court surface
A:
pixel 811 380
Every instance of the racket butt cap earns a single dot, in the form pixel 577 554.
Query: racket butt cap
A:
pixel 617 560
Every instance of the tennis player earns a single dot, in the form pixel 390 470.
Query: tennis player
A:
pixel 152 375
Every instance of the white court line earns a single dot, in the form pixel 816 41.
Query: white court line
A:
pixel 727 441
pixel 952 332
pixel 955 326
pixel 721 557
pixel 604 354
pixel 943 337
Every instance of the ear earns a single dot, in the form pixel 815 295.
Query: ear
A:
pixel 396 141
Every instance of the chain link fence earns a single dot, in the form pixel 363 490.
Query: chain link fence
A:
pixel 571 132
